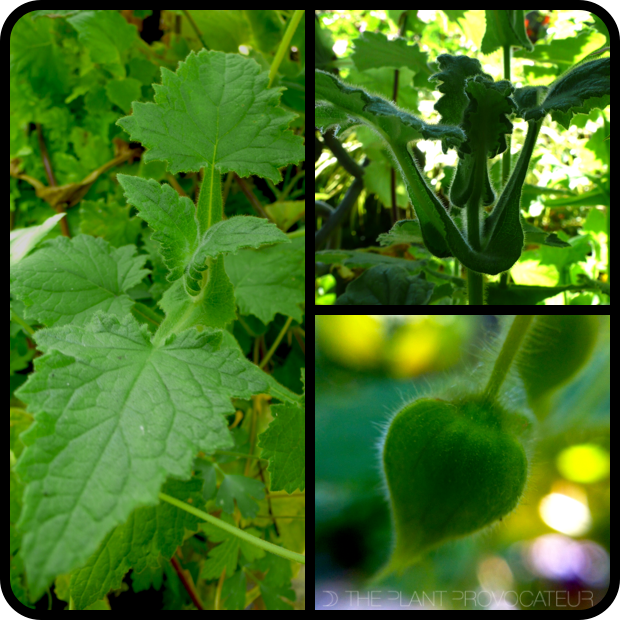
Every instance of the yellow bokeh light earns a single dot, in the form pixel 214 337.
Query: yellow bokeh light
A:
pixel 586 463
pixel 354 341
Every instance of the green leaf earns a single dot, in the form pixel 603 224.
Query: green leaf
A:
pixel 481 107
pixel 225 555
pixel 184 247
pixel 36 56
pixel 68 280
pixel 111 221
pixel 52 14
pixel 498 295
pixel 216 111
pixel 275 389
pixel 149 534
pixel 275 588
pixel 114 416
pixel 580 89
pixel 243 490
pixel 214 307
pixel 95 30
pixel 171 216
pixel 382 116
pixel 270 280
pixel 373 50
pixel 387 286
pixel 452 75
pixel 123 91
pixel 283 443
pixel 485 120
pixel 505 28
pixel 235 233
pixel 233 590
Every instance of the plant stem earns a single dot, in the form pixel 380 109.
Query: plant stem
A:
pixel 506 356
pixel 506 157
pixel 231 529
pixel 276 343
pixel 426 205
pixel 475 282
pixel 475 288
pixel 285 43
pixel 209 209
pixel 473 204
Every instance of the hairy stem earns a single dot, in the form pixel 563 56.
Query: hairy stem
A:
pixel 510 348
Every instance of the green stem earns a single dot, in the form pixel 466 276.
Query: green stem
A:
pixel 426 205
pixel 235 531
pixel 475 288
pixel 276 343
pixel 283 48
pixel 17 319
pixel 473 204
pixel 506 157
pixel 475 281
pixel 510 348
pixel 210 208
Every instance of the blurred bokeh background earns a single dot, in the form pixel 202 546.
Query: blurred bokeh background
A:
pixel 551 553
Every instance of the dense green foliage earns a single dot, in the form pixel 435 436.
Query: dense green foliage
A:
pixel 478 220
pixel 157 356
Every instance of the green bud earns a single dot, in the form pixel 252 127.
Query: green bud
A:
pixel 555 349
pixel 451 468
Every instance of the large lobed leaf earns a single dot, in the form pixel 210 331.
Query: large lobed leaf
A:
pixel 114 416
pixel 216 111
pixel 67 280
